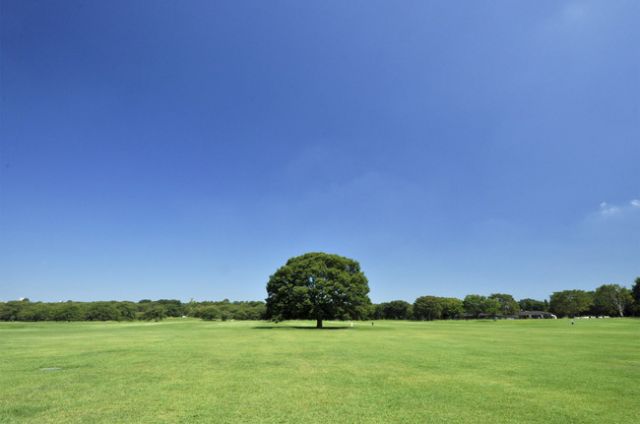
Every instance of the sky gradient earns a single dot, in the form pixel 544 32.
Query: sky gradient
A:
pixel 186 149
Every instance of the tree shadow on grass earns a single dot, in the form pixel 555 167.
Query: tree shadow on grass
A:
pixel 296 327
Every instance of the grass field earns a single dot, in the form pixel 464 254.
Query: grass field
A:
pixel 190 371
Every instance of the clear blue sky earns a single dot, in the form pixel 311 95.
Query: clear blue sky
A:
pixel 179 149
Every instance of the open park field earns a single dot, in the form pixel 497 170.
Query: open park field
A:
pixel 191 371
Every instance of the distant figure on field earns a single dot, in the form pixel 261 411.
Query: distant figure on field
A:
pixel 573 322
pixel 372 323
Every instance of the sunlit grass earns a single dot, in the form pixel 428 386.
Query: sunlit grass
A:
pixel 188 371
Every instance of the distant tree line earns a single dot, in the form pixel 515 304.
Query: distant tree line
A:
pixel 608 299
pixel 151 310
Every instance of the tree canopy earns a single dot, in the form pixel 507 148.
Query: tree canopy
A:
pixel 318 286
pixel 508 305
pixel 533 305
pixel 612 299
pixel 433 307
pixel 475 304
pixel 571 302
pixel 608 299
pixel 396 309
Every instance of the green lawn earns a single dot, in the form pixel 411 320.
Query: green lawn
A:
pixel 190 371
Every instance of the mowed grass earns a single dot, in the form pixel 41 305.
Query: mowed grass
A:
pixel 191 371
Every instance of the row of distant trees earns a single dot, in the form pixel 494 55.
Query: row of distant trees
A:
pixel 608 299
pixel 152 310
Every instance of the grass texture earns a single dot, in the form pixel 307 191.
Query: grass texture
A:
pixel 191 371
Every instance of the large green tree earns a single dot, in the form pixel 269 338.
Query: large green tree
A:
pixel 508 305
pixel 475 304
pixel 451 307
pixel 635 292
pixel 612 299
pixel 396 309
pixel 433 307
pixel 427 308
pixel 571 302
pixel 533 305
pixel 318 286
pixel 492 307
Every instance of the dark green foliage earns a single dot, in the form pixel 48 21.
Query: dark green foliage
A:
pixel 474 304
pixel 477 306
pixel 508 305
pixel 608 299
pixel 492 307
pixel 533 305
pixel 208 313
pixel 9 311
pixel 368 312
pixel 452 308
pixel 34 312
pixel 635 293
pixel 318 286
pixel 396 309
pixel 68 311
pixel 253 310
pixel 611 299
pixel 173 307
pixel 125 311
pixel 433 307
pixel 635 290
pixel 103 311
pixel 571 302
pixel 155 313
pixel 378 311
pixel 427 308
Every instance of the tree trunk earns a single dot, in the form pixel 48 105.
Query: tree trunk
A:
pixel 318 323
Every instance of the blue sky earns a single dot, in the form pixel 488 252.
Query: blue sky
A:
pixel 187 149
